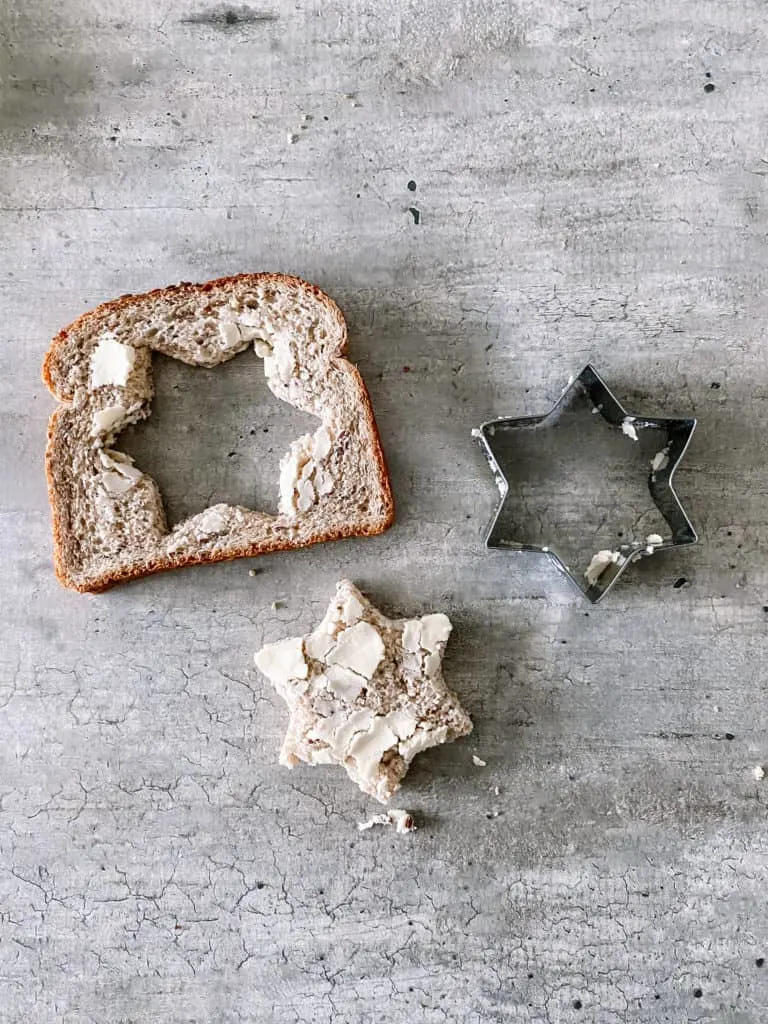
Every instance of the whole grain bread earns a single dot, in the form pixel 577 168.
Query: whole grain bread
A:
pixel 109 523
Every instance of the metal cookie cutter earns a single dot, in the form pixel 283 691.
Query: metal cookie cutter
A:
pixel 606 567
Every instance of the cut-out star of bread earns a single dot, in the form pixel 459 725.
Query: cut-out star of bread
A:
pixel 109 523
pixel 365 691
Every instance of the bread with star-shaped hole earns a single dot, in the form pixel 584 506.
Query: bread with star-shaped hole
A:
pixel 109 523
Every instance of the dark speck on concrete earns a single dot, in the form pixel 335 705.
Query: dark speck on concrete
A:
pixel 229 17
pixel 730 736
pixel 760 961
pixel 411 185
pixel 681 581
pixel 709 87
pixel 577 1004
pixel 697 993
pixel 416 214
pixel 715 385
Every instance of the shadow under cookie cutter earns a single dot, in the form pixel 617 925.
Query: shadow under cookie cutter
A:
pixel 606 567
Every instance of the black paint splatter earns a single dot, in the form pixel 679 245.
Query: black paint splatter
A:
pixel 680 582
pixel 709 87
pixel 411 186
pixel 416 214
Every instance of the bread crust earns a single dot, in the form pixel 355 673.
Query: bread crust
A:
pixel 103 582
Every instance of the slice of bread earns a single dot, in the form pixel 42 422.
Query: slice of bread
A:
pixel 109 523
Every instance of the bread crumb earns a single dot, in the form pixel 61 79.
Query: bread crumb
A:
pixel 660 460
pixel 478 762
pixel 402 820
pixel 759 772
pixel 600 563
pixel 628 427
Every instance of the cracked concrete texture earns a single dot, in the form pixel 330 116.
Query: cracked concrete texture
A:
pixel 583 194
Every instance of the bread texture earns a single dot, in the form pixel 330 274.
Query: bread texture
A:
pixel 109 523
pixel 364 691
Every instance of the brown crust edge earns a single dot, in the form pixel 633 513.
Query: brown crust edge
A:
pixel 105 582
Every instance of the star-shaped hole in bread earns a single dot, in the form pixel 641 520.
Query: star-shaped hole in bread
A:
pixel 365 691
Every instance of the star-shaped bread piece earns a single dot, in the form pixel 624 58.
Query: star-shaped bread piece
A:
pixel 365 691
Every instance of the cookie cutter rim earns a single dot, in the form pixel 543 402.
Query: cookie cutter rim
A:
pixel 678 432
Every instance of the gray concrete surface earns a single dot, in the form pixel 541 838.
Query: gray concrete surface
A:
pixel 590 183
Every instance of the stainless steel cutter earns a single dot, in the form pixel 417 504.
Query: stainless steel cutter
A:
pixel 606 566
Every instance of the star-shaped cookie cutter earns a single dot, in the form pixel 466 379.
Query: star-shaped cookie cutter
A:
pixel 606 567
